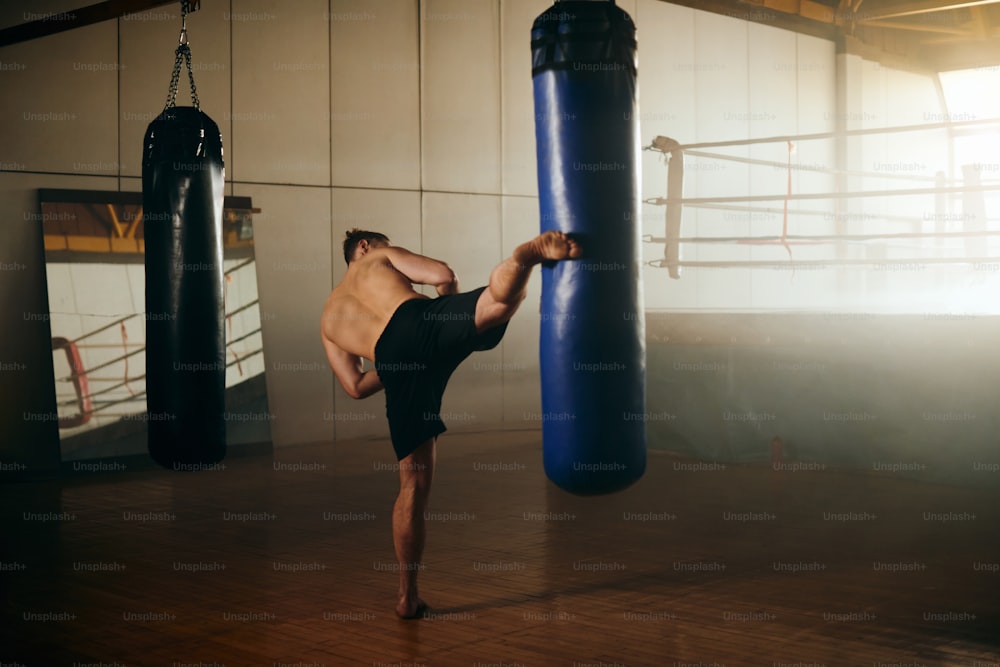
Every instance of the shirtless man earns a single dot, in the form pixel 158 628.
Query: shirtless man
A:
pixel 416 343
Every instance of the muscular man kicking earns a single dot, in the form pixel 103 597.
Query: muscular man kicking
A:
pixel 416 343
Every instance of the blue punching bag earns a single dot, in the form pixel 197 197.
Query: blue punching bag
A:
pixel 183 176
pixel 593 350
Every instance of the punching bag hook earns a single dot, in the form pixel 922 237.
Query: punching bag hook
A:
pixel 187 6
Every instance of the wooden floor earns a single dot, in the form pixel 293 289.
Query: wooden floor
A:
pixel 287 560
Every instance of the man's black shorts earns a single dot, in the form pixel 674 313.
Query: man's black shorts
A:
pixel 423 344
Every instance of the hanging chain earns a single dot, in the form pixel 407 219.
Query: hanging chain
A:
pixel 183 53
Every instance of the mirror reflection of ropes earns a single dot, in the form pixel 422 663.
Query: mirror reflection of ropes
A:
pixel 89 403
pixel 229 321
pixel 125 352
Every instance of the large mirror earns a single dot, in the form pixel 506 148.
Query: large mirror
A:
pixel 95 270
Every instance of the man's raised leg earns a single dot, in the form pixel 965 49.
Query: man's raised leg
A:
pixel 416 472
pixel 508 281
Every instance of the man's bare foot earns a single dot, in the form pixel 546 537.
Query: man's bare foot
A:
pixel 414 608
pixel 552 245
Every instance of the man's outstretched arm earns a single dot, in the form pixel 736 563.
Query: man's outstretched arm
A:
pixel 347 368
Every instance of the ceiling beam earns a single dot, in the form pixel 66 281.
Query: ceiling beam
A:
pixel 77 18
pixel 859 27
pixel 918 27
pixel 759 13
pixel 921 7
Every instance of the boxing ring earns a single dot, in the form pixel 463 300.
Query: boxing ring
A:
pixel 850 311
pixel 952 208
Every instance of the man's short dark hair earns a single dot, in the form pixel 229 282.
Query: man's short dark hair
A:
pixel 356 236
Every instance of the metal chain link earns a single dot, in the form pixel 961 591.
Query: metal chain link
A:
pixel 194 89
pixel 183 53
pixel 172 91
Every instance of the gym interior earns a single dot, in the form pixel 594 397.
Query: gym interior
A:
pixel 819 265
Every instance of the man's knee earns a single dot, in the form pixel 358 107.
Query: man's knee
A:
pixel 418 478
pixel 506 298
pixel 496 313
pixel 416 471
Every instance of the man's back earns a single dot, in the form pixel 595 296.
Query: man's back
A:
pixel 359 308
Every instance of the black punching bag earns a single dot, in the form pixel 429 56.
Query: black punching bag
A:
pixel 593 328
pixel 182 195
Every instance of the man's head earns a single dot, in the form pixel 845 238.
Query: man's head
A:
pixel 359 239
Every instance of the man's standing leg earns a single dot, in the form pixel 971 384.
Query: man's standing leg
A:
pixel 496 305
pixel 416 472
